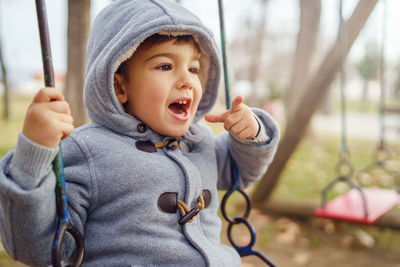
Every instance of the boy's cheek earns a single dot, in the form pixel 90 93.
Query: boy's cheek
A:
pixel 197 100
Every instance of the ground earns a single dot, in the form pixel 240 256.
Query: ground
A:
pixel 318 242
pixel 293 242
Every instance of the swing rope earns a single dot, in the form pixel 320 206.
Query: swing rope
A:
pixel 382 102
pixel 344 153
pixel 224 57
pixel 344 167
pixel 64 221
pixel 382 153
pixel 248 249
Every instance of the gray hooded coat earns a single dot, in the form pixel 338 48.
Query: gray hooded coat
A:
pixel 119 187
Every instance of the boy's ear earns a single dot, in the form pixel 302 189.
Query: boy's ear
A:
pixel 120 89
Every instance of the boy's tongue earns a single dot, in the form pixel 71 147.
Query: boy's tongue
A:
pixel 177 108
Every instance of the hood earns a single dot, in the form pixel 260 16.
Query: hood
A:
pixel 116 33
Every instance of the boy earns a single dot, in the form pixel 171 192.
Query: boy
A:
pixel 152 73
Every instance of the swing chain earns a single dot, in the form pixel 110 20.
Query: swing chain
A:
pixel 382 154
pixel 248 249
pixel 344 167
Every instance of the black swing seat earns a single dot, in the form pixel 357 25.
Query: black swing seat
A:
pixel 363 206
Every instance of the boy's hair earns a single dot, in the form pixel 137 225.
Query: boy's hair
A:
pixel 158 39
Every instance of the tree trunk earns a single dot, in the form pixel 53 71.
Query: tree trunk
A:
pixel 257 54
pixel 310 13
pixel 78 31
pixel 6 97
pixel 317 89
pixel 364 96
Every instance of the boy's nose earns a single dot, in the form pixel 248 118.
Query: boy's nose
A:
pixel 185 80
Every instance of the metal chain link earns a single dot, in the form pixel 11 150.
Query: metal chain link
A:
pixel 248 249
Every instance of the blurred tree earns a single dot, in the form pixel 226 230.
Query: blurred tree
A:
pixel 397 83
pixel 310 13
pixel 256 52
pixel 78 31
pixel 368 66
pixel 6 98
pixel 317 87
pixel 248 64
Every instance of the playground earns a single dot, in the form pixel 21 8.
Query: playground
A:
pixel 330 197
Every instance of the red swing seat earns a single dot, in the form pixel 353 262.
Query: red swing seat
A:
pixel 350 206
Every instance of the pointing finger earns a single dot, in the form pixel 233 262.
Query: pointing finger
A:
pixel 236 103
pixel 215 117
pixel 222 116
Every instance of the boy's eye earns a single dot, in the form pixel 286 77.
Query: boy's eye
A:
pixel 194 70
pixel 164 67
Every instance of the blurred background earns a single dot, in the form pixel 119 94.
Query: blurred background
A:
pixel 284 56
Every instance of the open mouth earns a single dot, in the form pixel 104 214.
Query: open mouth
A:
pixel 180 108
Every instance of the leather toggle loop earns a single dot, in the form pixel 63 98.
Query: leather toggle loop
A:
pixel 170 144
pixel 187 214
pixel 168 201
pixel 189 217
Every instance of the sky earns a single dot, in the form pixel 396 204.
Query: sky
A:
pixel 21 46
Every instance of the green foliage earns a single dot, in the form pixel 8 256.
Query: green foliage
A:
pixel 275 92
pixel 368 66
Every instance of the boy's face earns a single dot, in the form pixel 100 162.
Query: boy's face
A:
pixel 162 87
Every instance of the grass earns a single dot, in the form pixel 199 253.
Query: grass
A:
pixel 368 106
pixel 11 127
pixel 314 164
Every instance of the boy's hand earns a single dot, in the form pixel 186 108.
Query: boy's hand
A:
pixel 239 119
pixel 48 118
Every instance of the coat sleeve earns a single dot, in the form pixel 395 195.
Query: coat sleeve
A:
pixel 28 213
pixel 252 156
